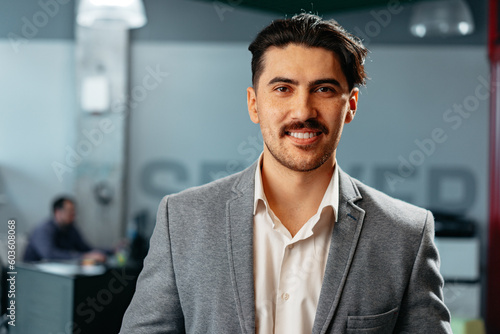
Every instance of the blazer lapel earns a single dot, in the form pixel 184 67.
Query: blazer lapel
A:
pixel 239 219
pixel 343 245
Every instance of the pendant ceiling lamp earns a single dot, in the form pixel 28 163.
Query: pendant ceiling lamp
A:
pixel 126 14
pixel 441 18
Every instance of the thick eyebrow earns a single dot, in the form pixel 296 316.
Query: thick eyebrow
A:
pixel 325 81
pixel 312 83
pixel 284 80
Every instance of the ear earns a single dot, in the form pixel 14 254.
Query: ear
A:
pixel 252 105
pixel 353 105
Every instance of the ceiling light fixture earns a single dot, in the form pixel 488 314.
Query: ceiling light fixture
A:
pixel 441 18
pixel 126 14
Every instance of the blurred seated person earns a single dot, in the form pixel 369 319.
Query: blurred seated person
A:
pixel 59 239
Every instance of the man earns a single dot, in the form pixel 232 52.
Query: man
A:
pixel 59 239
pixel 293 244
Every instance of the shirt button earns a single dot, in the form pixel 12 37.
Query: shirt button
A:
pixel 290 246
pixel 285 296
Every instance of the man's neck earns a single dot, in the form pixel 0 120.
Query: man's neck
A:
pixel 60 226
pixel 294 196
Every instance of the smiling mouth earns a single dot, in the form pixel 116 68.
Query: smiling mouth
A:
pixel 303 132
pixel 303 135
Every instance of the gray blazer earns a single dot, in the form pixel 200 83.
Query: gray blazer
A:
pixel 382 273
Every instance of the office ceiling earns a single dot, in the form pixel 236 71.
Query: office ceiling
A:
pixel 297 6
pixel 249 16
pixel 241 20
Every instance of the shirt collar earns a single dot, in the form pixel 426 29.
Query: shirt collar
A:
pixel 330 198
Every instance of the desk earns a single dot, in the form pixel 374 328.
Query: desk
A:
pixel 56 298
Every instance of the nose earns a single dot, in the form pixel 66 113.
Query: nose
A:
pixel 303 107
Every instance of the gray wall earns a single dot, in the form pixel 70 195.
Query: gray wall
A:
pixel 197 118
pixel 37 126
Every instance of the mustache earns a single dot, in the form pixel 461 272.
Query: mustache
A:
pixel 312 124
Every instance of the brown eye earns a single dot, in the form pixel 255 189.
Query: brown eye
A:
pixel 282 89
pixel 325 90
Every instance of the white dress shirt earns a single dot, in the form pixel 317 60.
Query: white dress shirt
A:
pixel 288 272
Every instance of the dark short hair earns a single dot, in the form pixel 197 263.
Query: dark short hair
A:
pixel 58 203
pixel 312 31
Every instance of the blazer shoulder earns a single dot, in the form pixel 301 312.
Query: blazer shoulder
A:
pixel 217 191
pixel 382 207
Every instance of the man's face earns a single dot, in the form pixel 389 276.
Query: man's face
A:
pixel 301 102
pixel 66 215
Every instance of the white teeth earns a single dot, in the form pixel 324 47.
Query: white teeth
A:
pixel 303 135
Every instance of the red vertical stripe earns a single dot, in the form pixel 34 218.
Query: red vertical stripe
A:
pixel 493 288
pixel 493 292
